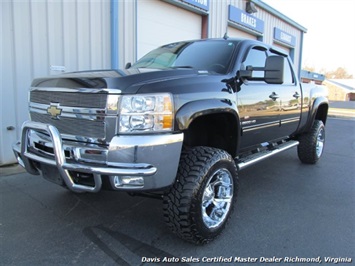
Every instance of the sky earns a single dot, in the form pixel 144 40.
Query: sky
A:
pixel 330 39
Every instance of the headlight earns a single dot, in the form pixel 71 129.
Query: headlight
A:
pixel 146 113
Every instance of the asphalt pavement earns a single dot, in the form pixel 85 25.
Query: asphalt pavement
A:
pixel 286 212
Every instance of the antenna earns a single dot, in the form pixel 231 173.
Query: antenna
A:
pixel 226 33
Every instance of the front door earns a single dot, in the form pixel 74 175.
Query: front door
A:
pixel 267 111
pixel 258 104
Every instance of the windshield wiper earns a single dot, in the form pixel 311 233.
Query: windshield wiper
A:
pixel 182 67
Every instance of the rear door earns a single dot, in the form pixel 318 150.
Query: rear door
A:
pixel 290 101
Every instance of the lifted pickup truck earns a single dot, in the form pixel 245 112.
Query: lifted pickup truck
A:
pixel 179 124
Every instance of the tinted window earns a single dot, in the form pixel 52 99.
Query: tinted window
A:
pixel 214 56
pixel 288 77
pixel 255 58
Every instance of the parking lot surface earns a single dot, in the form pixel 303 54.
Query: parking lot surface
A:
pixel 286 212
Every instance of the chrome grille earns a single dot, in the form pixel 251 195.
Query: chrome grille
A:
pixel 80 100
pixel 73 126
pixel 83 114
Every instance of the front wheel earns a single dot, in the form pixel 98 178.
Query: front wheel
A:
pixel 312 143
pixel 200 202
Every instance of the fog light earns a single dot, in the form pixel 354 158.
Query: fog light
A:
pixel 128 181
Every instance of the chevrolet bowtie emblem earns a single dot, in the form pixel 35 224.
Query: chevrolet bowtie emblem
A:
pixel 54 110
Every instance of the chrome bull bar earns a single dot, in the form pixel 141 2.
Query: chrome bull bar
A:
pixel 24 157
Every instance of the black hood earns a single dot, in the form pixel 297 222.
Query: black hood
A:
pixel 124 81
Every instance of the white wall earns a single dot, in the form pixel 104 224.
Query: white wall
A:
pixel 37 35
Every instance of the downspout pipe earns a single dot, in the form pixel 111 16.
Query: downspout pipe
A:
pixel 300 56
pixel 114 35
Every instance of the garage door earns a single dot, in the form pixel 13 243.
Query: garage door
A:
pixel 161 23
pixel 236 33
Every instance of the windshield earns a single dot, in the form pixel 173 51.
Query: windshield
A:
pixel 213 56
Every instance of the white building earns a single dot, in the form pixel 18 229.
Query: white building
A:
pixel 43 37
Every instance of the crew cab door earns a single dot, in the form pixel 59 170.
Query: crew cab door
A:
pixel 258 104
pixel 269 109
pixel 289 93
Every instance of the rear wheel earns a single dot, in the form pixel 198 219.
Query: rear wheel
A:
pixel 312 143
pixel 200 202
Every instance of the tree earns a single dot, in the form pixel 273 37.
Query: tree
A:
pixel 339 73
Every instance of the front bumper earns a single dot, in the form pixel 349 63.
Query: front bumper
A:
pixel 134 162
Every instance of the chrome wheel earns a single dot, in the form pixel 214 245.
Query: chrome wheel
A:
pixel 320 142
pixel 311 143
pixel 199 204
pixel 217 198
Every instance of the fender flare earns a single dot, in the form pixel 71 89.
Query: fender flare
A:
pixel 319 101
pixel 192 110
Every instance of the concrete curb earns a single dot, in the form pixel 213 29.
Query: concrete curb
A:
pixel 11 169
pixel 342 113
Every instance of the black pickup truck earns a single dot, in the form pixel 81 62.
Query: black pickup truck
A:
pixel 179 125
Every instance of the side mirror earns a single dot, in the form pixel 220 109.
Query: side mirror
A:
pixel 274 70
pixel 128 65
pixel 247 73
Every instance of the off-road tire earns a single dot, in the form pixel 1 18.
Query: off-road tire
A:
pixel 197 207
pixel 311 144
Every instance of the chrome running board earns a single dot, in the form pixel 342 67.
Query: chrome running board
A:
pixel 264 154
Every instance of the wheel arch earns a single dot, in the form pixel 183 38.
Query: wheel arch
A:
pixel 319 111
pixel 322 113
pixel 213 123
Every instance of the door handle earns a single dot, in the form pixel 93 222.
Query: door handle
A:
pixel 273 96
pixel 296 95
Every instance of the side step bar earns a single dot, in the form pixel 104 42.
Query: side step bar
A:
pixel 259 156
